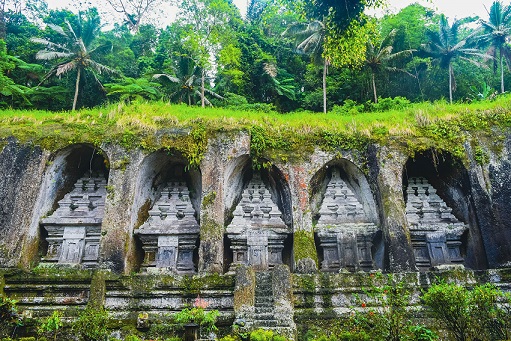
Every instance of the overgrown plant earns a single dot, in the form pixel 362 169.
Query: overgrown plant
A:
pixel 469 314
pixel 198 314
pixel 51 325
pixel 10 318
pixel 385 314
pixel 91 324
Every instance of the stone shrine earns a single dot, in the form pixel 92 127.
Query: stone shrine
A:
pixel 257 231
pixel 74 229
pixel 435 231
pixel 170 234
pixel 344 230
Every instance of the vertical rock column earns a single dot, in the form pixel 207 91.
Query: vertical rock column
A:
pixel 220 151
pixel 117 246
pixel 304 249
pixel 394 223
pixel 21 174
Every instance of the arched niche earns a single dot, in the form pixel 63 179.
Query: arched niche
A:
pixel 167 214
pixel 258 215
pixel 345 219
pixel 440 213
pixel 73 199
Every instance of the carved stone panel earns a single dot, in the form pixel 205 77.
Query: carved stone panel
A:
pixel 74 229
pixel 435 232
pixel 344 230
pixel 170 234
pixel 257 231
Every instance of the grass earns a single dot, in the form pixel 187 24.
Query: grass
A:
pixel 158 125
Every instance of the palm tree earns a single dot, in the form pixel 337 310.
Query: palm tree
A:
pixel 188 78
pixel 445 46
pixel 76 53
pixel 379 56
pixel 496 32
pixel 311 37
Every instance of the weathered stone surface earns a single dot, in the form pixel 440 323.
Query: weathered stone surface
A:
pixel 476 194
pixel 345 231
pixel 257 231
pixel 222 173
pixel 435 231
pixel 170 233
pixel 396 237
pixel 74 229
pixel 21 169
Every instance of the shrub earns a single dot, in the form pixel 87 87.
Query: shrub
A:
pixel 91 324
pixel 205 319
pixel 467 313
pixel 10 318
pixel 51 325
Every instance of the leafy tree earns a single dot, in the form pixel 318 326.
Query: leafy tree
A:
pixel 8 88
pixel 379 56
pixel 445 46
pixel 497 30
pixel 208 28
pixel 77 52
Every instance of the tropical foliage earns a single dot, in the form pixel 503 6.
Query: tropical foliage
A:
pixel 290 55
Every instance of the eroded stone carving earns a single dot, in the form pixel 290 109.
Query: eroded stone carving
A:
pixel 74 229
pixel 435 231
pixel 257 231
pixel 170 233
pixel 344 230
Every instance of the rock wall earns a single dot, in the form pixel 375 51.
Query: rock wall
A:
pixel 34 180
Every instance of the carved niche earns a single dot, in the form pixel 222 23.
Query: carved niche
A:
pixel 435 232
pixel 74 229
pixel 170 233
pixel 345 232
pixel 257 231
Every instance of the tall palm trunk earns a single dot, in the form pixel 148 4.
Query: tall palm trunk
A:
pixel 374 88
pixel 325 71
pixel 501 72
pixel 202 90
pixel 450 83
pixel 76 88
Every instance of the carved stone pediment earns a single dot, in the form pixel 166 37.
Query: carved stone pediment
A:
pixel 344 230
pixel 435 232
pixel 170 233
pixel 74 229
pixel 257 231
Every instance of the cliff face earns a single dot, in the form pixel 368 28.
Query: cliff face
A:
pixel 472 196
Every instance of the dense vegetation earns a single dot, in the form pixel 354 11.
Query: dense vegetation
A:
pixel 283 55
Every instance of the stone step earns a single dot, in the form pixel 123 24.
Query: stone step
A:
pixel 265 298
pixel 265 314
pixel 266 323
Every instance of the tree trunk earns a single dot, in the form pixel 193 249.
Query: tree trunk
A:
pixel 501 72
pixel 76 88
pixel 202 89
pixel 325 71
pixel 374 89
pixel 450 83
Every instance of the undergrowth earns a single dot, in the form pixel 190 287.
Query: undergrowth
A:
pixel 275 136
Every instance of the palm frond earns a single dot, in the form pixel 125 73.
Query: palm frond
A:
pixel 49 55
pixel 57 29
pixel 169 77
pixel 64 68
pixel 100 68
pixel 48 43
